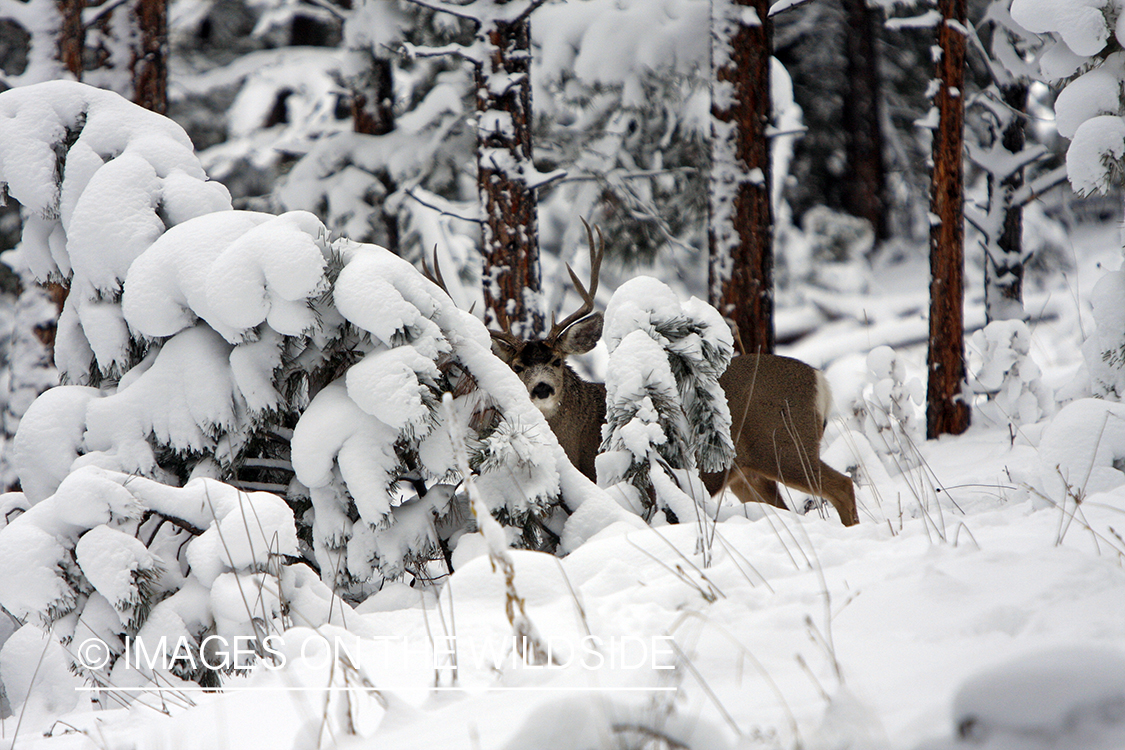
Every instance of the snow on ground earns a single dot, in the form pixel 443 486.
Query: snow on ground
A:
pixel 974 605
pixel 919 604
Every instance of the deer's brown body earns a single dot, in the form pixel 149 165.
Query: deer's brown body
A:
pixel 779 407
pixel 581 442
pixel 778 411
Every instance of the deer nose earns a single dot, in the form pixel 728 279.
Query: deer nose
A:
pixel 542 390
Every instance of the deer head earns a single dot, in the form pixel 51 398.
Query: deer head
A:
pixel 541 363
pixel 778 406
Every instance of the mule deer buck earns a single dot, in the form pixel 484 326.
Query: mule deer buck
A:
pixel 779 407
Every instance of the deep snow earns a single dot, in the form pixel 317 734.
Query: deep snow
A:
pixel 973 597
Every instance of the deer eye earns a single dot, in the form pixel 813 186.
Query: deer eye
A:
pixel 517 369
pixel 556 362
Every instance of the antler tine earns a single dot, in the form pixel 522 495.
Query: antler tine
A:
pixel 505 334
pixel 434 274
pixel 597 252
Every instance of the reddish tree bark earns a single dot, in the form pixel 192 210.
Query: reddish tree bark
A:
pixel 945 411
pixel 149 66
pixel 511 234
pixel 72 36
pixel 740 272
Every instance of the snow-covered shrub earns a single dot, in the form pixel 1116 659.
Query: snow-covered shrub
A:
pixel 368 429
pixel 251 323
pixel 1089 109
pixel 666 416
pixel 887 411
pixel 1105 350
pixel 1082 450
pixel 247 338
pixel 1008 375
pixel 99 179
pixel 110 556
pixel 247 347
pixel 837 237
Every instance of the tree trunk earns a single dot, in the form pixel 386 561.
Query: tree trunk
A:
pixel 149 66
pixel 511 235
pixel 865 197
pixel 946 412
pixel 72 36
pixel 373 113
pixel 740 272
pixel 71 46
pixel 373 99
pixel 1004 263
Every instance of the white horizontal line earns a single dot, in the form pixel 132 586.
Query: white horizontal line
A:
pixel 340 688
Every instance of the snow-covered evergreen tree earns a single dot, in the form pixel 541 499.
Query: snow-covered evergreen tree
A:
pixel 666 416
pixel 249 348
pixel 104 558
pixel 73 155
pixel 1009 376
pixel 235 330
pixel 1000 150
pixel 622 104
pixel 1084 55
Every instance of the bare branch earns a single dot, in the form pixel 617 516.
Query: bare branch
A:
pixel 333 9
pixel 977 219
pixel 453 10
pixel 1039 185
pixel 91 16
pixel 531 8
pixel 442 211
pixel 641 175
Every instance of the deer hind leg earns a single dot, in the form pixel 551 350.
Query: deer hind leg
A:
pixel 827 483
pixel 751 487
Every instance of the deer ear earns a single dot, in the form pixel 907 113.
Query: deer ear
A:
pixel 503 350
pixel 582 336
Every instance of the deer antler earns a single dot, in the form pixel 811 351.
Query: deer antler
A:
pixel 505 335
pixel 434 274
pixel 596 254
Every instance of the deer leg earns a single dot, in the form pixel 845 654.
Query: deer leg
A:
pixel 840 491
pixel 752 487
pixel 831 485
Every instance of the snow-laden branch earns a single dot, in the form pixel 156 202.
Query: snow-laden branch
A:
pixel 1039 186
pixel 485 12
pixel 927 20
